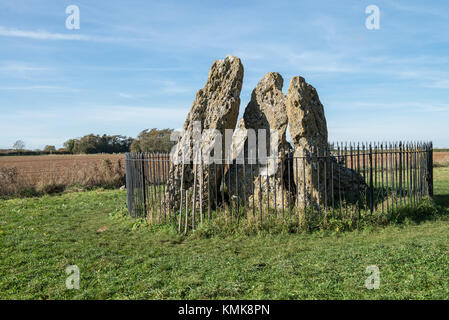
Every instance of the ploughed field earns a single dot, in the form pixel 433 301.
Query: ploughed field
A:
pixel 44 173
pixel 441 157
pixel 57 164
pixel 35 166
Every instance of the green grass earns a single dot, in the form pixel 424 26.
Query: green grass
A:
pixel 441 186
pixel 40 237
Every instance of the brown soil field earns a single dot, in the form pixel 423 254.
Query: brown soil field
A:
pixel 441 157
pixel 40 173
pixel 56 164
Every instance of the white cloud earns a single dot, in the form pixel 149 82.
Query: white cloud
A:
pixel 173 88
pixel 441 84
pixel 36 87
pixel 126 95
pixel 40 34
pixel 44 35
pixel 420 10
pixel 22 70
pixel 409 106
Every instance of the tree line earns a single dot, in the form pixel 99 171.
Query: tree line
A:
pixel 149 140
pixel 99 144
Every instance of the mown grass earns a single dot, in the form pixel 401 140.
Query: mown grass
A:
pixel 121 258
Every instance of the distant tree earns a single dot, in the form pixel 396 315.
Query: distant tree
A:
pixel 63 151
pixel 87 144
pixel 70 145
pixel 153 140
pixel 50 149
pixel 19 145
pixel 99 144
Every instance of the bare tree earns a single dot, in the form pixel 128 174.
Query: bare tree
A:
pixel 19 145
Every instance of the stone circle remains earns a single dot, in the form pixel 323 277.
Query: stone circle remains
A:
pixel 216 106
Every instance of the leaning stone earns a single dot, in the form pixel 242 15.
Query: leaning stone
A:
pixel 216 106
pixel 263 179
pixel 308 129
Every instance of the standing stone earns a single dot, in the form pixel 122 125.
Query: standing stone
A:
pixel 216 106
pixel 266 111
pixel 308 130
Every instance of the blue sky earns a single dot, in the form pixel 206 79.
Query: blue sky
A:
pixel 134 65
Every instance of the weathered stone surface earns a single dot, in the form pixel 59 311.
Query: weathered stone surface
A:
pixel 348 184
pixel 308 131
pixel 314 176
pixel 216 106
pixel 308 127
pixel 266 111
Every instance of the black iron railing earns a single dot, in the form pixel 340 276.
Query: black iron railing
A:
pixel 344 180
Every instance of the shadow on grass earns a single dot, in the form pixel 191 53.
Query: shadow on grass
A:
pixel 442 200
pixel 425 210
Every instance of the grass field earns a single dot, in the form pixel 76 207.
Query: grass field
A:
pixel 120 258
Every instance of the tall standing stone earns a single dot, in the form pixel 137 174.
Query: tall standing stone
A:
pixel 307 123
pixel 315 169
pixel 308 131
pixel 266 111
pixel 216 106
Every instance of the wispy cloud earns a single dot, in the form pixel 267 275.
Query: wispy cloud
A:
pixel 132 96
pixel 408 106
pixel 321 62
pixel 20 67
pixel 41 35
pixel 441 84
pixel 45 35
pixel 126 95
pixel 173 87
pixel 22 70
pixel 421 10
pixel 37 88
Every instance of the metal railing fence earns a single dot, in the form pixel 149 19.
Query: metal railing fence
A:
pixel 345 180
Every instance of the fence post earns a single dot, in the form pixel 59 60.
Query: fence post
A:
pixel 371 187
pixel 142 163
pixel 400 171
pixel 430 169
pixel 129 188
